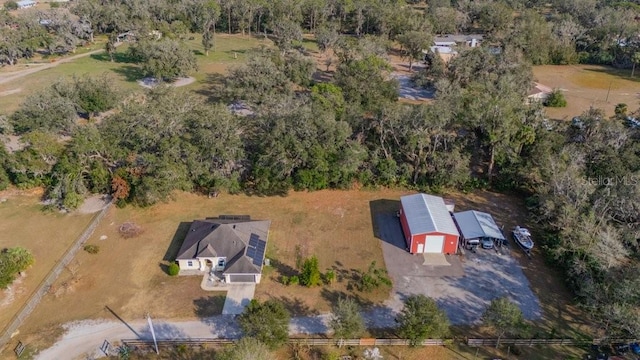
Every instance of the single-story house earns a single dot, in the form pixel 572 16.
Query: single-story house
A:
pixel 446 45
pixel 427 225
pixel 476 225
pixel 539 92
pixel 229 244
pixel 23 4
pixel 470 40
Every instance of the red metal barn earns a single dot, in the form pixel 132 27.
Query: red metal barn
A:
pixel 427 225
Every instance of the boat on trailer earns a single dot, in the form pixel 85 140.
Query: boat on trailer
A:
pixel 523 237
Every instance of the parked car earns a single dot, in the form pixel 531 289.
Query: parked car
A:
pixel 632 122
pixel 622 348
pixel 576 122
pixel 487 243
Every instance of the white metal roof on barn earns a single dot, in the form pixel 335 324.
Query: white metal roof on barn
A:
pixel 475 224
pixel 426 214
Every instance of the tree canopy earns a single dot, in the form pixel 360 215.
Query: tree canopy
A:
pixel 420 319
pixel 267 322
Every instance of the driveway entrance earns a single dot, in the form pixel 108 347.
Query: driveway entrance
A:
pixel 238 297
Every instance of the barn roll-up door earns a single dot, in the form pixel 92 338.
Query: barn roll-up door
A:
pixel 433 244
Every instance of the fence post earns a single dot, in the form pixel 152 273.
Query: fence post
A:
pixel 47 282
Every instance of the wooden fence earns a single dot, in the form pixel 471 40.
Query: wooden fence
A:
pixel 528 342
pixel 48 281
pixel 475 342
pixel 139 343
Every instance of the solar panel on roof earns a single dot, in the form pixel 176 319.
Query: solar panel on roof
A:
pixel 259 255
pixel 251 252
pixel 253 240
pixel 234 217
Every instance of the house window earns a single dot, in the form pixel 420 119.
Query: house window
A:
pixel 190 263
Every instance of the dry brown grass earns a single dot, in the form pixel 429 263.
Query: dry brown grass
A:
pixel 47 235
pixel 128 274
pixel 588 85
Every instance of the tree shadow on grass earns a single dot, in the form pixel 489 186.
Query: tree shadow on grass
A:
pixel 176 241
pixel 283 269
pixel 332 296
pixel 131 73
pixel 118 57
pixel 208 306
pixel 213 88
pixel 296 306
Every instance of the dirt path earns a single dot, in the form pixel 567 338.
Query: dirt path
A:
pixel 5 78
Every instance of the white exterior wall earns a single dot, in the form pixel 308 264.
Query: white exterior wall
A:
pixel 258 278
pixel 184 264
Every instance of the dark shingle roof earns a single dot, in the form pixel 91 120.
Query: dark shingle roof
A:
pixel 227 238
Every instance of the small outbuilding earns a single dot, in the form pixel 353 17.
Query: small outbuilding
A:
pixel 23 4
pixel 427 225
pixel 476 225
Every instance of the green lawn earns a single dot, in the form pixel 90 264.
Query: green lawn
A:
pixel 229 49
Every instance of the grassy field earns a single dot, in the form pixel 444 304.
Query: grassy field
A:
pixel 128 275
pixel 230 49
pixel 46 235
pixel 588 85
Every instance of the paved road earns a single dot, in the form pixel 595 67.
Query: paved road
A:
pixel 83 339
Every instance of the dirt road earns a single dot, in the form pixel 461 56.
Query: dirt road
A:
pixel 9 77
pixel 83 339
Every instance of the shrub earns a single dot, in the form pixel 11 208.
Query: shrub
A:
pixel 329 277
pixel 12 262
pixel 11 5
pixel 555 99
pixel 174 269
pixel 92 249
pixel 373 278
pixel 310 273
pixel 294 280
pixel 284 280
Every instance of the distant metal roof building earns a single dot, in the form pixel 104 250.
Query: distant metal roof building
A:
pixel 427 214
pixel 25 3
pixel 475 224
pixel 461 38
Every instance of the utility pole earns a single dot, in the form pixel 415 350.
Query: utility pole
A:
pixel 610 83
pixel 153 333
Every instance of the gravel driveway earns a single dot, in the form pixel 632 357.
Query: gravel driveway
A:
pixel 463 295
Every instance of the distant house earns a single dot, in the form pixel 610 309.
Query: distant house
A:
pixel 23 4
pixel 539 92
pixel 446 45
pixel 231 245
pixel 427 225
pixel 476 225
pixel 471 40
